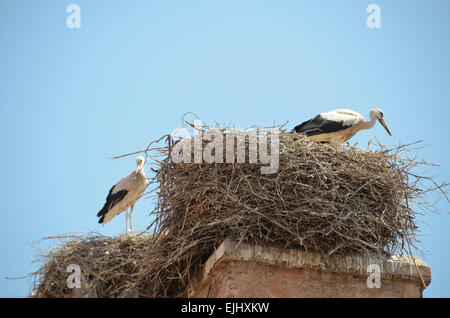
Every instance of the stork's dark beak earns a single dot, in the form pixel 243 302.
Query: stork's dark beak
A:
pixel 382 122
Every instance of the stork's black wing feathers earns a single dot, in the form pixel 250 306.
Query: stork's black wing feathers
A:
pixel 319 125
pixel 111 201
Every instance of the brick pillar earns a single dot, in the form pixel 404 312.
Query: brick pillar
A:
pixel 246 270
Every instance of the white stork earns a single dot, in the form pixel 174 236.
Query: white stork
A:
pixel 124 194
pixel 339 125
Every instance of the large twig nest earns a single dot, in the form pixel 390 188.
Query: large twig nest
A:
pixel 326 198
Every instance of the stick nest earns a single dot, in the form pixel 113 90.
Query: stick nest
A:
pixel 333 199
pixel 109 267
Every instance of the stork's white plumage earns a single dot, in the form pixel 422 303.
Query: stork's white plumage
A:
pixel 339 125
pixel 124 194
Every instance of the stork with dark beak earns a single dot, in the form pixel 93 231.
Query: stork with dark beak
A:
pixel 124 194
pixel 339 125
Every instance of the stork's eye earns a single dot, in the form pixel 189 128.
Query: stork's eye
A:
pixel 381 113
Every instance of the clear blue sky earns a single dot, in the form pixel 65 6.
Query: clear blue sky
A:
pixel 72 98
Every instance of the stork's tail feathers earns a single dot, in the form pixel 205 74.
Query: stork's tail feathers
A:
pixel 101 214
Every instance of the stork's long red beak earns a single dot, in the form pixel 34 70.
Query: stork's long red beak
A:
pixel 382 122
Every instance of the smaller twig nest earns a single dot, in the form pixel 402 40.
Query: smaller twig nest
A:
pixel 108 266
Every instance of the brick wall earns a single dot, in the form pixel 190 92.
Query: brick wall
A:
pixel 246 270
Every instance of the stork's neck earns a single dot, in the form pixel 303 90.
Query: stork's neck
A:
pixel 371 123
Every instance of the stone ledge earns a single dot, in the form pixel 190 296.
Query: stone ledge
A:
pixel 231 256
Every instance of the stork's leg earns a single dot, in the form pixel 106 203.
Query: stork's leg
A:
pixel 126 222
pixel 131 219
